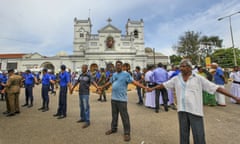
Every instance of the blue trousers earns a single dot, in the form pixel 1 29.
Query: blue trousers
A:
pixel 45 96
pixel 62 103
pixel 84 108
pixel 29 93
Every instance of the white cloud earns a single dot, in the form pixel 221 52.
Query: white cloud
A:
pixel 168 32
pixel 46 26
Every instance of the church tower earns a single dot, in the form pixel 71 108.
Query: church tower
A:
pixel 82 32
pixel 135 29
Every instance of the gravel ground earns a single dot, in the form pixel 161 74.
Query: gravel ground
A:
pixel 147 127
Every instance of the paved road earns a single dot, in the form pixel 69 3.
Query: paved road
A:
pixel 222 125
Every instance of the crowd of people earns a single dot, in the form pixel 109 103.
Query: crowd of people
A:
pixel 182 88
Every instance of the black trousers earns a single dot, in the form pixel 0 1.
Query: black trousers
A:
pixel 120 107
pixel 187 120
pixel 164 97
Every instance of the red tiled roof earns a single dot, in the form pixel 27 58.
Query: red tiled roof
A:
pixel 19 55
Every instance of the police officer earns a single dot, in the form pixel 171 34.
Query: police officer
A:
pixel 46 81
pixel 3 81
pixel 64 82
pixel 54 78
pixel 13 91
pixel 29 80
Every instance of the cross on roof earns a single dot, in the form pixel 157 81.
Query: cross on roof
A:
pixel 109 20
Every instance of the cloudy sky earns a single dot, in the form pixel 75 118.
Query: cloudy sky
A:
pixel 46 26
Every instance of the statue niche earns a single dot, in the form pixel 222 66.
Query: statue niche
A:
pixel 110 42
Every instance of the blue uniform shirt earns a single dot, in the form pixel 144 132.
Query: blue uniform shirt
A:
pixel 120 83
pixel 29 79
pixel 217 77
pixel 64 78
pixel 159 75
pixel 4 79
pixel 108 73
pixel 53 77
pixel 46 79
pixel 1 81
pixel 98 75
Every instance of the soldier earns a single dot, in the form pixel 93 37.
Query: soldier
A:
pixel 102 81
pixel 54 78
pixel 13 90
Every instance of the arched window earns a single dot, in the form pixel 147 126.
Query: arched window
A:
pixel 81 33
pixel 135 33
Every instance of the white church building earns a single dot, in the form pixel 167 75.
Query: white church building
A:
pixel 96 50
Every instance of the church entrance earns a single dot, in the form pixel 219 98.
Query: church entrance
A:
pixel 48 66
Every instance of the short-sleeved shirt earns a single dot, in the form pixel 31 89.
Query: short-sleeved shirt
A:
pixel 218 77
pixel 53 76
pixel 64 78
pixel 29 79
pixel 46 79
pixel 85 81
pixel 189 93
pixel 120 83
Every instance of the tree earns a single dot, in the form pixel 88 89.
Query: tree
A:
pixel 224 57
pixel 188 46
pixel 207 47
pixel 175 60
pixel 195 47
pixel 212 40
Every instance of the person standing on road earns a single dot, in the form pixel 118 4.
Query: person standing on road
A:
pixel 102 81
pixel 46 81
pixel 219 79
pixel 235 86
pixel 29 80
pixel 150 96
pixel 13 90
pixel 85 80
pixel 64 82
pixel 120 80
pixel 53 78
pixel 159 76
pixel 138 77
pixel 189 87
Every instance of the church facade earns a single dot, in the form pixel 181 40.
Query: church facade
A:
pixel 109 45
pixel 96 50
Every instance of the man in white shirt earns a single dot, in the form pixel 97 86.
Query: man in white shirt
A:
pixel 189 87
pixel 235 86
